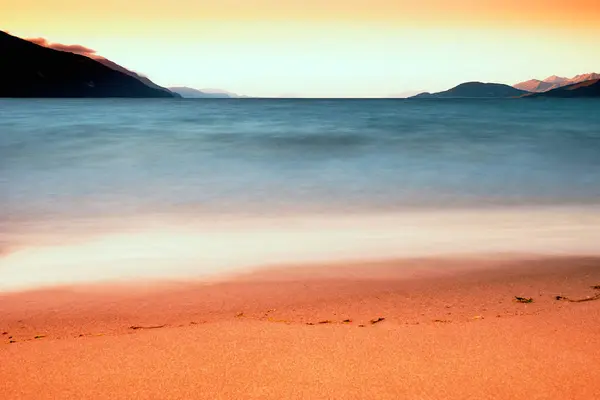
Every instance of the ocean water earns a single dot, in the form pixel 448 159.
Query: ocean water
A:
pixel 107 189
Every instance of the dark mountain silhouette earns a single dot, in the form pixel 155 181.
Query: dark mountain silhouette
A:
pixel 90 53
pixel 31 70
pixel 475 90
pixel 589 88
pixel 145 80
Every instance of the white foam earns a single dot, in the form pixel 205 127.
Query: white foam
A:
pixel 151 248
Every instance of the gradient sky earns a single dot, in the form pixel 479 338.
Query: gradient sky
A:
pixel 351 48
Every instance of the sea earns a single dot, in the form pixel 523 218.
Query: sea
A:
pixel 120 189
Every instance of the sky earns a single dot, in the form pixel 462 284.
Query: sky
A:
pixel 317 48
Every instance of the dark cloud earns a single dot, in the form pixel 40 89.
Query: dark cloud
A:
pixel 71 48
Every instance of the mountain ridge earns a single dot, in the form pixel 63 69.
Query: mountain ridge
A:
pixel 554 82
pixel 30 70
pixel 85 51
pixel 585 89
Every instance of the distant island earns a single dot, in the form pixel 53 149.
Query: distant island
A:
pixel 31 70
pixel 191 93
pixel 474 90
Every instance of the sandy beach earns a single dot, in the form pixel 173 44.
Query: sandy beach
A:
pixel 443 328
pixel 295 199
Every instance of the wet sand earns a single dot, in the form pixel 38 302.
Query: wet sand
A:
pixel 417 328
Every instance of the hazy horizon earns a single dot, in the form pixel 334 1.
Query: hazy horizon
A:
pixel 354 49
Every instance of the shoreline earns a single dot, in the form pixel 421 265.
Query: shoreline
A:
pixel 170 247
pixel 343 281
pixel 448 325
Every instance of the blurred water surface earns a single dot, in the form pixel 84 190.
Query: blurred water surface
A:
pixel 127 156
pixel 67 161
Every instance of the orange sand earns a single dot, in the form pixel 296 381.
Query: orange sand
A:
pixel 452 330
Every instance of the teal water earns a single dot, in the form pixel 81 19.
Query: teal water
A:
pixel 78 157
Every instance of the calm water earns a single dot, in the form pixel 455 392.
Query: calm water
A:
pixel 67 161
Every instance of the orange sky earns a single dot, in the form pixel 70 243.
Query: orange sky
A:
pixel 323 48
